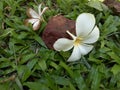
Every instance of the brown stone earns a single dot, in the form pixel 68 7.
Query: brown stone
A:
pixel 56 28
pixel 114 5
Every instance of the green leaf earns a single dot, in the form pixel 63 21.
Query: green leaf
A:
pixel 36 86
pixel 39 40
pixel 114 57
pixel 27 57
pixel 23 72
pixel 18 83
pixel 96 4
pixel 115 69
pixel 42 64
pixel 61 80
pixel 70 72
pixel 81 83
pixel 1 10
pixel 55 65
pixel 32 63
pixel 96 80
pixel 6 33
pixel 4 86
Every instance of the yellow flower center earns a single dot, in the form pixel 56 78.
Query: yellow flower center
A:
pixel 77 41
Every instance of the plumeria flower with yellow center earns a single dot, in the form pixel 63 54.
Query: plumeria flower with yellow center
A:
pixel 87 33
pixel 34 17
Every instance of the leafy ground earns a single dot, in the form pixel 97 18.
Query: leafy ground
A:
pixel 27 64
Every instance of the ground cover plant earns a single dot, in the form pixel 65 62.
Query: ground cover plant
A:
pixel 26 63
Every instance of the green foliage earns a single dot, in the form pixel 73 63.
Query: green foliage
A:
pixel 97 5
pixel 27 64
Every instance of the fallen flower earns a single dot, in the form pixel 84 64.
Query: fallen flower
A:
pixel 86 34
pixel 34 17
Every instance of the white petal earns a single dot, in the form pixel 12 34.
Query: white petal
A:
pixel 36 25
pixel 85 49
pixel 39 9
pixel 93 36
pixel 84 24
pixel 44 9
pixel 32 13
pixel 63 44
pixel 31 20
pixel 76 54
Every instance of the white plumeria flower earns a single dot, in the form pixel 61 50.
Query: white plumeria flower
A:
pixel 86 34
pixel 34 17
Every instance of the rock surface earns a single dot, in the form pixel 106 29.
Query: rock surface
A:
pixel 114 5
